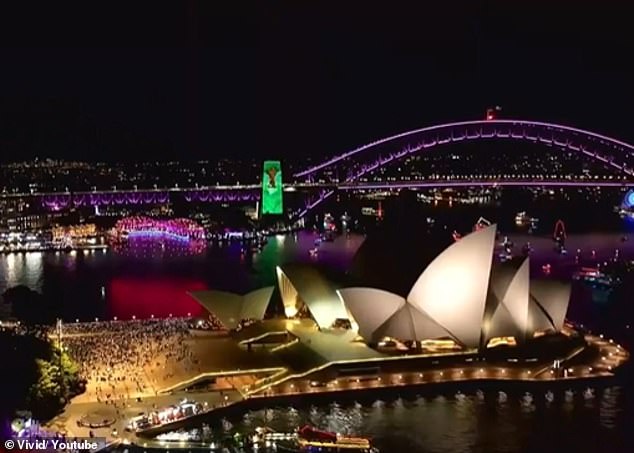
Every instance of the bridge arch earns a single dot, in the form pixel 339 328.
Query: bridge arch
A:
pixel 369 157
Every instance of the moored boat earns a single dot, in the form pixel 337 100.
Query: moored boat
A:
pixel 311 439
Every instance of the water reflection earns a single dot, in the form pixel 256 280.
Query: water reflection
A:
pixel 21 269
pixel 144 278
pixel 609 407
pixel 148 298
pixel 475 421
pixel 158 248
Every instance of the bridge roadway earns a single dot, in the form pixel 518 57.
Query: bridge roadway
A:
pixel 485 183
pixel 345 185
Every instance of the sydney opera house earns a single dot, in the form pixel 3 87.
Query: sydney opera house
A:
pixel 462 302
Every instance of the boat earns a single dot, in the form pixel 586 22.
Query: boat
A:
pixel 587 273
pixel 593 276
pixel 313 439
pixel 523 219
pixel 505 256
pixel 559 248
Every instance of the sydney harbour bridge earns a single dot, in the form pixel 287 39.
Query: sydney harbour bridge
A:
pixel 349 171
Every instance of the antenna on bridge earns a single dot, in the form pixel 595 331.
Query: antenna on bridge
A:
pixel 493 113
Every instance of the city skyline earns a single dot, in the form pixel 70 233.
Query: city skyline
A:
pixel 300 226
pixel 271 82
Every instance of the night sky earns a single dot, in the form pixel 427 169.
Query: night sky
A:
pixel 190 80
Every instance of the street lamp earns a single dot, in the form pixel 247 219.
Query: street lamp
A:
pixel 59 330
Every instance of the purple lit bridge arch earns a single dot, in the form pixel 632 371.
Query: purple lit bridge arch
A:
pixel 365 159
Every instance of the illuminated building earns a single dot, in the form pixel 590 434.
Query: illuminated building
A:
pixel 303 288
pixel 232 308
pixel 461 298
pixel 463 313
pixel 73 232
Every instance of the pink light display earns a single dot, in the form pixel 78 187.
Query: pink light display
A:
pixel 177 228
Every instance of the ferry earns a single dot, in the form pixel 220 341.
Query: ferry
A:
pixel 593 276
pixel 546 268
pixel 507 243
pixel 309 439
pixel 505 256
pixel 523 219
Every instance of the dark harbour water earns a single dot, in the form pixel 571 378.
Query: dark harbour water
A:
pixel 456 418
pixel 152 279
pixel 469 421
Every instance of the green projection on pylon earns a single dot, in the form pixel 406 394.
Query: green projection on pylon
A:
pixel 272 187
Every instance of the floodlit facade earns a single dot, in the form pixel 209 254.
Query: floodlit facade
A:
pixel 550 296
pixel 370 308
pixel 460 298
pixel 453 288
pixel 464 297
pixel 506 311
pixel 232 308
pixel 303 288
pixel 390 316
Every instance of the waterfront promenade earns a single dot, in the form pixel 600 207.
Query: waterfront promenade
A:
pixel 606 357
pixel 210 368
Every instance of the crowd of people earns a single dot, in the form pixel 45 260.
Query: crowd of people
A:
pixel 129 359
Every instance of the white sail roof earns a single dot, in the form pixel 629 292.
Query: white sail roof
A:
pixel 453 288
pixel 370 307
pixel 308 285
pixel 553 296
pixel 538 319
pixel 231 308
pixel 517 296
pixel 460 295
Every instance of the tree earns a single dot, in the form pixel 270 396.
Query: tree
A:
pixel 42 378
pixel 58 381
pixel 46 396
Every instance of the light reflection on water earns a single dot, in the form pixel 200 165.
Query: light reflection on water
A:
pixel 85 286
pixel 21 269
pixel 465 423
pixel 430 423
